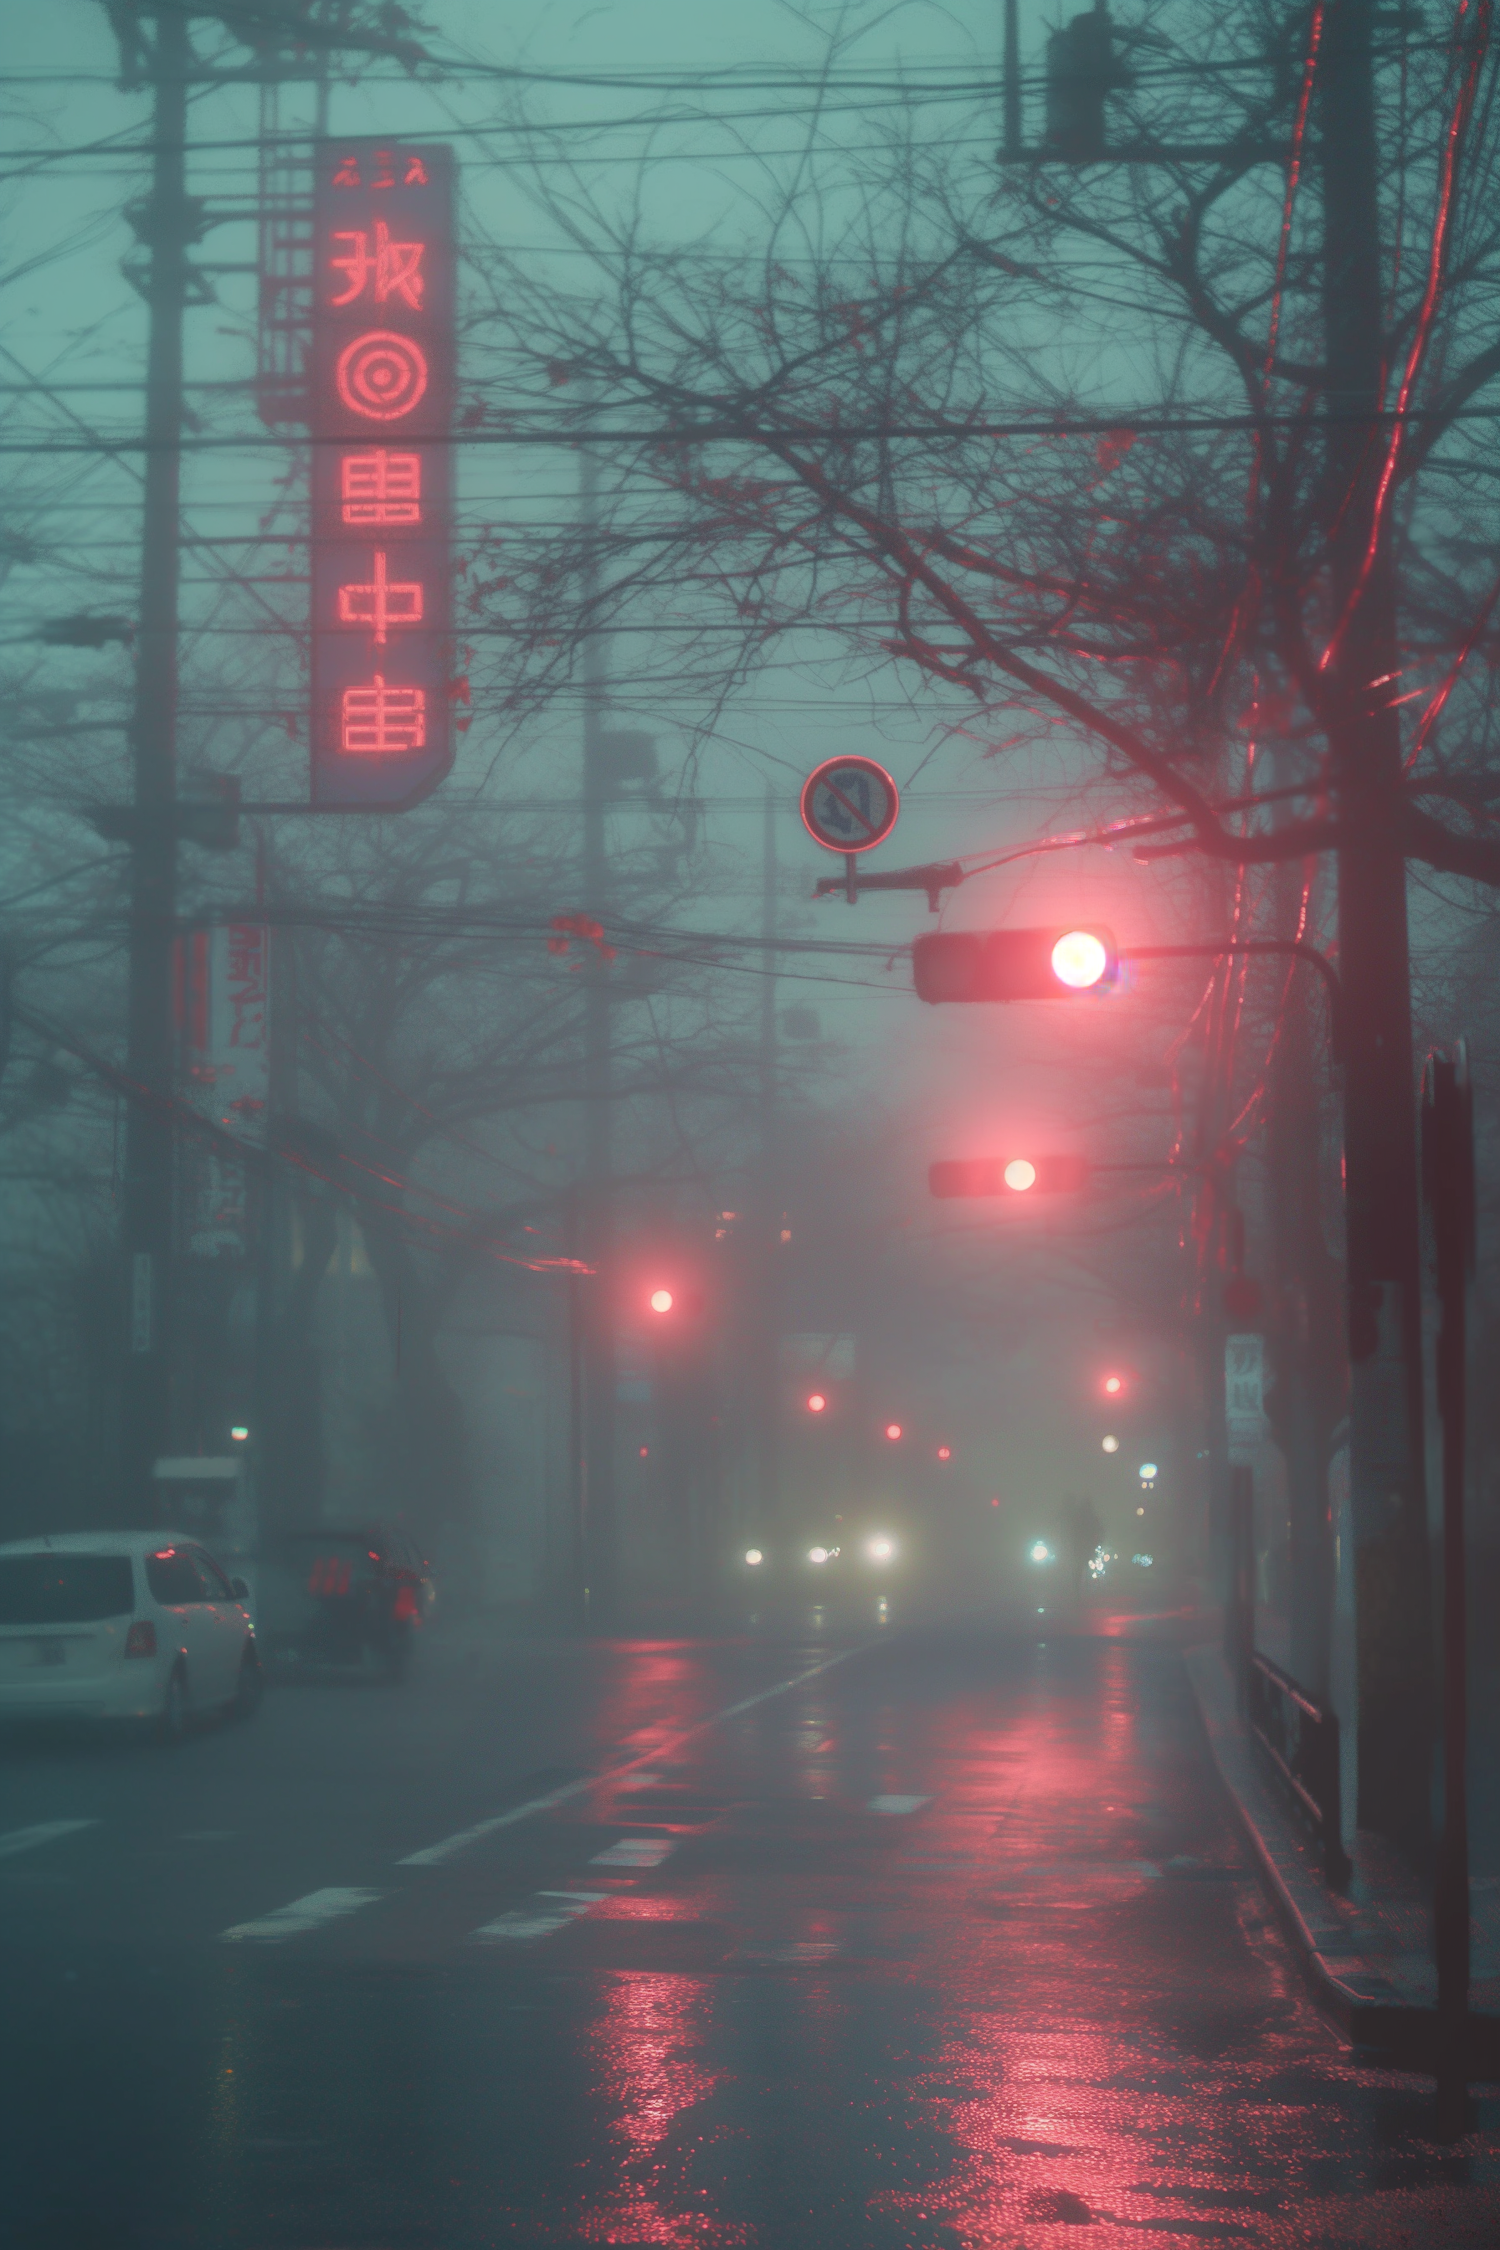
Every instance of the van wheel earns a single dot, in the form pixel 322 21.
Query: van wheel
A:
pixel 250 1689
pixel 172 1722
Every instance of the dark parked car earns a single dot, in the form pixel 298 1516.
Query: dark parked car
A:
pixel 341 1597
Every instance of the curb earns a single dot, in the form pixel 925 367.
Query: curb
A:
pixel 1349 1987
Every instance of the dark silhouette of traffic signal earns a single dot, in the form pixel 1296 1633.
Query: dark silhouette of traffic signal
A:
pixel 1015 1175
pixel 1051 964
pixel 1082 70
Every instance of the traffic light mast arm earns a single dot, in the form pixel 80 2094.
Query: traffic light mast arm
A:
pixel 1296 949
pixel 941 875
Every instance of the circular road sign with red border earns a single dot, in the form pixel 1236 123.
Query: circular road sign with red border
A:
pixel 849 804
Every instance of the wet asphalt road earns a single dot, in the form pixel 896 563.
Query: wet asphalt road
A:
pixel 949 1943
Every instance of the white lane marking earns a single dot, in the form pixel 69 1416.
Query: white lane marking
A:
pixel 435 1854
pixel 635 1851
pixel 308 1913
pixel 43 1832
pixel 897 1804
pixel 548 1911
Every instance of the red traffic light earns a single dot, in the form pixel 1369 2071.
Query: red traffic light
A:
pixel 817 1403
pixel 945 1453
pixel 1015 1175
pixel 1114 1385
pixel 893 1431
pixel 661 1300
pixel 1053 964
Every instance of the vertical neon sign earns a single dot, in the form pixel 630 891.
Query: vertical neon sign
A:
pixel 382 381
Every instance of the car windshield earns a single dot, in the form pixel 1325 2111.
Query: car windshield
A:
pixel 64 1589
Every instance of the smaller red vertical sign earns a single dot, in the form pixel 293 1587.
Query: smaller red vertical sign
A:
pixel 382 410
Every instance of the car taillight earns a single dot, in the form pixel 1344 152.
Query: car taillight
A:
pixel 404 1607
pixel 141 1639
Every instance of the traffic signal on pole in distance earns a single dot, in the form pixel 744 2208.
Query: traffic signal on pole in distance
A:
pixel 1016 1175
pixel 1051 964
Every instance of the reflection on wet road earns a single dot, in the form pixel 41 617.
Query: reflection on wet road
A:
pixel 943 1941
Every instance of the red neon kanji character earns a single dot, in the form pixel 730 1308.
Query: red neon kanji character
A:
pixel 381 487
pixel 395 266
pixel 384 176
pixel 380 602
pixel 347 174
pixel 416 173
pixel 379 721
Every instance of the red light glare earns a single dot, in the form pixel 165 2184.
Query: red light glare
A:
pixel 1079 959
pixel 893 1431
pixel 1114 1384
pixel 645 1452
pixel 996 1501
pixel 945 1453
pixel 662 1300
pixel 817 1403
pixel 1020 1174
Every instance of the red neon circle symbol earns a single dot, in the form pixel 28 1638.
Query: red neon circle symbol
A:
pixel 381 376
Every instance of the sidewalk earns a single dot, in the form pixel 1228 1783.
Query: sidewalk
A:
pixel 1368 1957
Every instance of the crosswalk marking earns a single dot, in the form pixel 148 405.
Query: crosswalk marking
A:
pixel 634 1851
pixel 309 1913
pixel 433 1855
pixel 897 1804
pixel 41 1832
pixel 546 1912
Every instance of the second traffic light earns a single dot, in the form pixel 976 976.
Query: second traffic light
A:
pixel 1051 964
pixel 1016 1175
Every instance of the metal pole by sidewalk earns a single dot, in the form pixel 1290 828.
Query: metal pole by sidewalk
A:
pixel 166 222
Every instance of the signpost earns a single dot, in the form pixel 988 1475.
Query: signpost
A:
pixel 381 416
pixel 849 805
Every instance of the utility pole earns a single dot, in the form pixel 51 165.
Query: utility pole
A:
pixel 166 222
pixel 599 1554
pixel 1392 1568
pixel 767 1312
pixel 1010 146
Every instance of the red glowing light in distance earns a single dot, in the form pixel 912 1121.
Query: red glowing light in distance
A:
pixel 945 1453
pixel 1114 1384
pixel 1079 959
pixel 893 1430
pixel 662 1300
pixel 1020 1174
pixel 816 1403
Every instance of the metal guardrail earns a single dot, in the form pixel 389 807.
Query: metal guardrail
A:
pixel 1302 1741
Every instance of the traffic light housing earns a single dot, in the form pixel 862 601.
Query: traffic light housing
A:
pixel 999 1175
pixel 1082 70
pixel 1049 964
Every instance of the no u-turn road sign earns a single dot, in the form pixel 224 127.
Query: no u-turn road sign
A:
pixel 849 804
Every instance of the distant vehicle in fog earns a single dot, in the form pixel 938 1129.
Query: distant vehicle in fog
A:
pixel 134 1626
pixel 336 1596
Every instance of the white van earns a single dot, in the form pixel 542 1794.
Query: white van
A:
pixel 131 1625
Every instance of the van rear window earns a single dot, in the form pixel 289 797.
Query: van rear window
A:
pixel 64 1589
